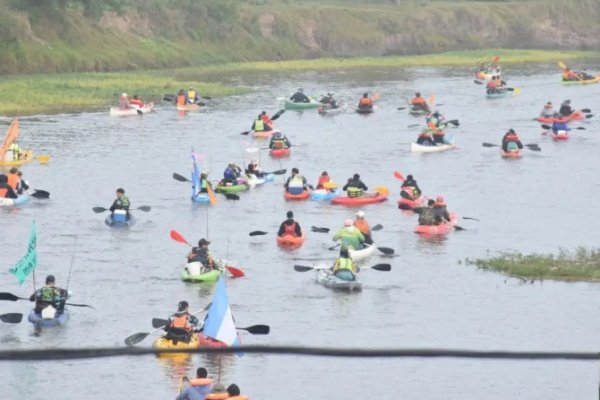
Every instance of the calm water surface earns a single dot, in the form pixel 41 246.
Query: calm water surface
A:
pixel 430 298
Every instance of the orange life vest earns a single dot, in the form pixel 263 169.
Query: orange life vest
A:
pixel 217 396
pixel 181 100
pixel 362 225
pixel 266 119
pixel 136 102
pixel 240 397
pixel 418 100
pixel 365 102
pixel 13 181
pixel 181 323
pixel 3 192
pixel 290 230
pixel 201 381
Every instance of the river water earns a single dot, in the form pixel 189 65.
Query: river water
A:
pixel 430 298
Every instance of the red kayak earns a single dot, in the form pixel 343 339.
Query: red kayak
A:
pixel 511 154
pixel 302 196
pixel 560 135
pixel 280 153
pixel 576 116
pixel 360 201
pixel 290 241
pixel 205 341
pixel 442 229
pixel 406 204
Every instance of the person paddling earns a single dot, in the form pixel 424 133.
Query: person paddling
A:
pixel 365 103
pixel 231 173
pixel 363 226
pixel 440 211
pixel 136 101
pixel 296 183
pixel 121 204
pixel 329 101
pixel 6 191
pixel 559 126
pixel 565 109
pixel 49 296
pixel 426 214
pixel 124 102
pixel 204 183
pixel 255 169
pixel 259 124
pixel 355 187
pixel 325 182
pixel 349 235
pixel 344 268
pixel 181 99
pixel 289 227
pixel 300 97
pixel 425 138
pixel 410 189
pixel 549 111
pixel 199 388
pixel 23 185
pixel 181 324
pixel 201 254
pixel 419 103
pixel 191 96
pixel 511 141
pixel 279 141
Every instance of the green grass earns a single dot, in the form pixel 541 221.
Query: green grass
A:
pixel 579 265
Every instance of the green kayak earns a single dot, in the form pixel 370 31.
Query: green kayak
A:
pixel 290 105
pixel 231 189
pixel 210 276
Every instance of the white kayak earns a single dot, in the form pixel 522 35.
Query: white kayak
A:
pixel 326 278
pixel 417 148
pixel 5 202
pixel 362 254
pixel 133 110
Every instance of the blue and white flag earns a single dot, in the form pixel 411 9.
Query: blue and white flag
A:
pixel 195 175
pixel 219 323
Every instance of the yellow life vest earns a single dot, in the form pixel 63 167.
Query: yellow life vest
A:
pixel 344 263
pixel 191 96
pixel 259 125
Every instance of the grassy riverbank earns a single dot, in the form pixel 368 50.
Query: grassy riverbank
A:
pixel 68 92
pixel 579 265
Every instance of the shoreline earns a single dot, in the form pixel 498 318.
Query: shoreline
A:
pixel 78 92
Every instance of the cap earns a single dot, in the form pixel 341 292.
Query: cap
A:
pixel 203 242
pixel 50 279
pixel 348 222
pixel 120 190
pixel 439 199
pixel 360 214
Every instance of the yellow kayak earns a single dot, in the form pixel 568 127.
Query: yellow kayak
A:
pixel 596 79
pixel 26 157
pixel 162 343
pixel 189 107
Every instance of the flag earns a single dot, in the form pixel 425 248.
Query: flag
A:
pixel 27 264
pixel 195 175
pixel 219 323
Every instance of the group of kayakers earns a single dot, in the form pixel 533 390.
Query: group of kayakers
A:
pixel 296 184
pixel 12 185
pixel 125 103
pixel 204 388
pixel 569 75
pixel 188 97
pixel 435 212
pixel 433 134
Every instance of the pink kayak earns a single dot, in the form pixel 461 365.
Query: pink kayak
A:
pixel 406 204
pixel 280 153
pixel 442 229
pixel 576 116
pixel 360 201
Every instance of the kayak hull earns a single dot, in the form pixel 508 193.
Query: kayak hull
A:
pixel 326 278
pixel 188 107
pixel 290 241
pixel 324 194
pixel 290 105
pixel 511 154
pixel 298 197
pixel 362 254
pixel 117 112
pixel 280 153
pixel 496 95
pixel 442 229
pixel 263 134
pixel 4 202
pixel 40 322
pixel 201 198
pixel 119 224
pixel 365 110
pixel 164 343
pixel 359 201
pixel 231 188
pixel 25 158
pixel 576 116
pixel 583 81
pixel 195 272
pixel 417 148
pixel 560 136
pixel 406 204
pixel 417 111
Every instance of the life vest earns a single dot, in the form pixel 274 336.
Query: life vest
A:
pixel 191 94
pixel 355 192
pixel 492 85
pixel 289 229
pixel 362 225
pixel 47 294
pixel 13 181
pixel 323 179
pixel 240 397
pixel 203 183
pixel 123 103
pixel 411 191
pixel 259 125
pixel 201 382
pixel 136 102
pixel 3 192
pixel 181 100
pixel 278 144
pixel 181 322
pixel 217 396
pixel 296 181
pixel 266 119
pixel 511 137
pixel 344 263
pixel 418 100
pixel 365 102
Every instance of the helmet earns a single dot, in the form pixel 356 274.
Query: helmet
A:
pixel 360 214
pixel 439 199
pixel 124 94
pixel 348 222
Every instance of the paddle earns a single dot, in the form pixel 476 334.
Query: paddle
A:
pixel 454 122
pixel 278 172
pixel 399 176
pixel 474 219
pixel 376 267
pixel 320 230
pixel 40 194
pixel 516 90
pixel 386 250
pixel 11 318
pixel 102 209
pixel 12 297
pixel 377 227
pixel 258 233
pixel 478 82
pixel 530 146
pixel 254 329
pixel 180 178
pixel 402 108
pixel 178 237
pixel 335 246
pixel 43 159
pixel 273 118
pixel 548 127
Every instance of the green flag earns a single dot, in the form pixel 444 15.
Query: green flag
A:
pixel 27 264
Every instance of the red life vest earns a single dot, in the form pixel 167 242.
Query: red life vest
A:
pixel 365 102
pixel 511 137
pixel 13 181
pixel 322 179
pixel 289 229
pixel 3 192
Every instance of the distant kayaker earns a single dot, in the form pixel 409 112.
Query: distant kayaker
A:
pixel 279 141
pixel 181 324
pixel 265 117
pixel 191 96
pixel 300 97
pixel 365 103
pixel 419 103
pixel 296 183
pixel 121 202
pixel 259 124
pixel 123 102
pixel 6 191
pixel 549 111
pixel 50 295
pixel 426 214
pixel 289 227
pixel 231 173
pixel 13 153
pixel 219 392
pixel 355 187
pixel 565 109
pixel 344 268
pixel 329 100
pixel 560 125
pixel 204 183
pixel 23 185
pixel 136 101
pixel 440 211
pixel 511 141
pixel 349 235
pixel 181 99
pixel 254 169
pixel 323 179
pixel 425 137
pixel 410 189
pixel 199 388
pixel 363 226
pixel 201 254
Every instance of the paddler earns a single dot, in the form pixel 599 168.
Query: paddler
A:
pixel 426 214
pixel 300 97
pixel 13 152
pixel 289 227
pixel 440 211
pixel 549 111
pixel 23 186
pixel 419 103
pixel 231 173
pixel 329 100
pixel 565 109
pixel 204 183
pixel 296 183
pixel 349 235
pixel 13 179
pixel 355 187
pixel 136 101
pixel 121 202
pixel 511 142
pixel 123 102
pixel 6 191
pixel 435 122
pixel 279 141
pixel 410 189
pixel 181 99
pixel 255 169
pixel 560 125
pixel 344 268
pixel 191 96
pixel 425 138
pixel 259 124
pixel 199 388
pixel 363 226
pixel 50 295
pixel 202 255
pixel 181 324
pixel 365 103
pixel 324 179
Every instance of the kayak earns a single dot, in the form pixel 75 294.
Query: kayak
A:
pixel 417 111
pixel 229 188
pixel 359 201
pixel 205 341
pixel 195 272
pixel 117 112
pixel 359 255
pixel 290 241
pixel 302 196
pixel 263 134
pixel 365 110
pixel 254 181
pixel 323 110
pixel 25 157
pixel 201 198
pixel 418 148
pixel 511 154
pixel 406 204
pixel 290 105
pixel 39 322
pixel 502 93
pixel 560 135
pixel 119 224
pixel 4 202
pixel 595 79
pixel 280 153
pixel 575 116
pixel 326 278
pixel 164 343
pixel 324 194
pixel 442 229
pixel 188 107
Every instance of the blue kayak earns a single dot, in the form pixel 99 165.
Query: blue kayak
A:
pixel 39 322
pixel 114 223
pixel 4 202
pixel 200 198
pixel 324 194
pixel 494 95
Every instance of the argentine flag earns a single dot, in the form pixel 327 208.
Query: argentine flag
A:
pixel 219 323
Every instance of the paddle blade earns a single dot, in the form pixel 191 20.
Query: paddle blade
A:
pixel 277 114
pixel 80 305
pixel 257 233
pixel 386 250
pixel 580 128
pixel 454 122
pixel 231 196
pixel 317 229
pixel 377 227
pixel 176 236
pixel 474 219
pixel 11 318
pixel 478 82
pixel 159 323
pixel 99 209
pixel 8 296
pixel 236 273
pixel 279 172
pixel 180 178
pixel 381 267
pixel 401 108
pixel 245 132
pixel 547 127
pixel 303 268
pixel 489 144
pixel 334 247
pixel 398 175
pixel 211 195
pixel 40 194
pixel 257 329
pixel 588 116
pixel 136 338
pixel 562 65
pixel 144 208
pixel 459 228
pixel 44 159
pixel 585 110
pixel 140 112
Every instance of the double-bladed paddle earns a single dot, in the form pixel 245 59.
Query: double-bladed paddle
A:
pixel 102 209
pixel 530 146
pixel 254 329
pixel 40 194
pixel 376 267
pixel 11 318
pixel 273 118
pixel 12 297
